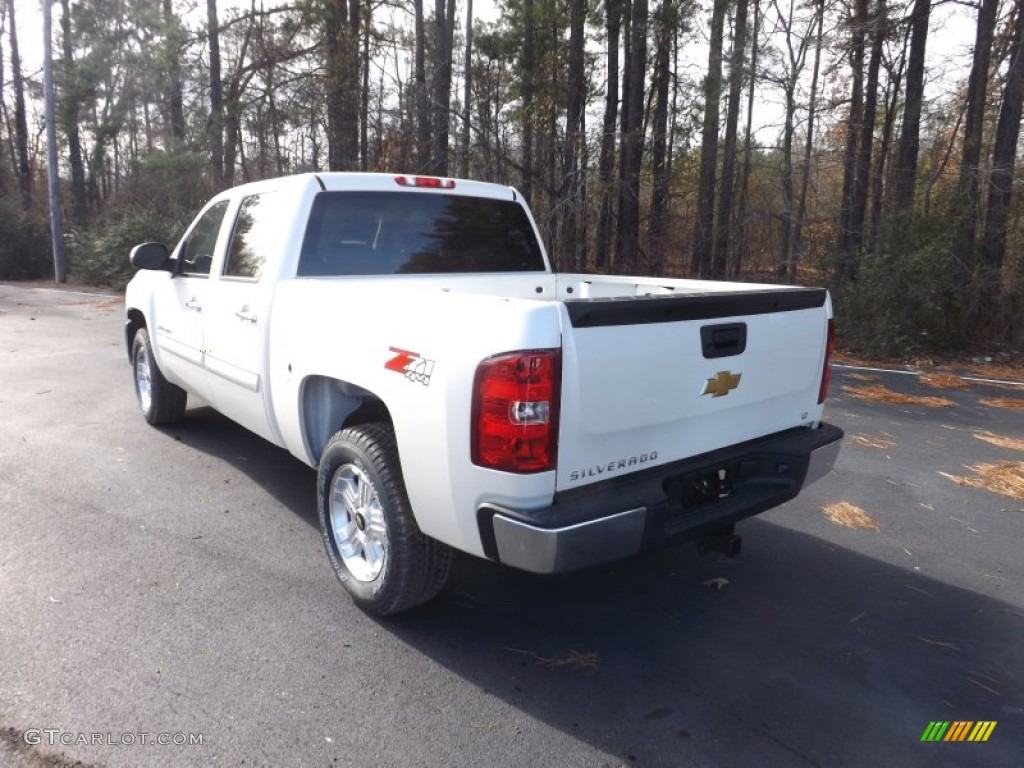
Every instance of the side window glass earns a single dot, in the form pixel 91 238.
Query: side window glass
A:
pixel 197 250
pixel 254 236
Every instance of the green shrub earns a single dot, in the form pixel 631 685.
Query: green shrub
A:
pixel 905 300
pixel 25 252
pixel 162 197
pixel 99 251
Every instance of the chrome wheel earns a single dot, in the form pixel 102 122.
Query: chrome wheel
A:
pixel 143 378
pixel 357 523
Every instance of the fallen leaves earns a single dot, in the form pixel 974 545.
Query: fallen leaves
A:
pixel 1010 403
pixel 1003 442
pixel 862 376
pixel 996 371
pixel 847 515
pixel 943 380
pixel 879 394
pixel 882 442
pixel 1005 479
pixel 574 659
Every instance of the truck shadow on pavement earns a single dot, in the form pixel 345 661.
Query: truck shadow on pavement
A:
pixel 798 652
pixel 273 469
pixel 805 654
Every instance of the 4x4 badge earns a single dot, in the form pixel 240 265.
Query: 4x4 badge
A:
pixel 411 365
pixel 721 384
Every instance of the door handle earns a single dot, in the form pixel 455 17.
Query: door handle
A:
pixel 246 315
pixel 194 304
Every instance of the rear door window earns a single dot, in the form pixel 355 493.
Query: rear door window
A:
pixel 253 238
pixel 384 233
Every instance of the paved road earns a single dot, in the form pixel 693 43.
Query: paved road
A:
pixel 173 582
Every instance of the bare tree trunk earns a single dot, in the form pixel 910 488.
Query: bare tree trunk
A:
pixel 905 174
pixel 700 261
pixel 853 131
pixel 444 27
pixel 878 190
pixel 215 125
pixel 175 106
pixel 724 229
pixel 1003 157
pixel 606 162
pixel 739 247
pixel 666 21
pixel 628 232
pixel 341 27
pixel 468 90
pixel 3 121
pixel 79 201
pixel 859 193
pixel 967 197
pixel 232 113
pixel 573 251
pixel 812 107
pixel 22 169
pixel 364 92
pixel 529 72
pixel 420 79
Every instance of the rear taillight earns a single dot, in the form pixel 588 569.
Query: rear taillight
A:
pixel 826 371
pixel 515 411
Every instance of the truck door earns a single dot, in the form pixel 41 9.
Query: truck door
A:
pixel 235 320
pixel 179 303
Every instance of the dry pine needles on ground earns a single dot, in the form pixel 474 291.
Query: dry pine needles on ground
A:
pixel 879 394
pixel 1003 442
pixel 846 515
pixel 1005 478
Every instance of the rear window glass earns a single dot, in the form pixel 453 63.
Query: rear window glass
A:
pixel 384 233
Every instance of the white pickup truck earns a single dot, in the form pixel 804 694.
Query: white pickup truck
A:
pixel 406 336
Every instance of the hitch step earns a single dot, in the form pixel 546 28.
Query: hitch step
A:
pixel 724 542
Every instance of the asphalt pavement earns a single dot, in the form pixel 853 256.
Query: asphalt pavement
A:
pixel 171 586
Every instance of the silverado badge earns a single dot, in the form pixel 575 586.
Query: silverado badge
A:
pixel 721 384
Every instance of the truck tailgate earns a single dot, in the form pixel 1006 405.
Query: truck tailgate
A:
pixel 650 380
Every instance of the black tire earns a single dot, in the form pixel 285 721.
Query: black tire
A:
pixel 372 540
pixel 160 401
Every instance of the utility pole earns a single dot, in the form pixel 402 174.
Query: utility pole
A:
pixel 53 179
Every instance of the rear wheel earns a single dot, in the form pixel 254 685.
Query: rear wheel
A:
pixel 160 401
pixel 372 540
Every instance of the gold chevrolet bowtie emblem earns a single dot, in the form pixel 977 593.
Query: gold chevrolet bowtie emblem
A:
pixel 721 384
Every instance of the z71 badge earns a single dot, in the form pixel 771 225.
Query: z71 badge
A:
pixel 411 365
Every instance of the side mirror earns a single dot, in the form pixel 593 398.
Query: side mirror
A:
pixel 150 256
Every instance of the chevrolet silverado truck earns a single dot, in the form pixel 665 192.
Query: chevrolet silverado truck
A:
pixel 407 337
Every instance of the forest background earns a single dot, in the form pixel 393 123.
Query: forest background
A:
pixel 839 142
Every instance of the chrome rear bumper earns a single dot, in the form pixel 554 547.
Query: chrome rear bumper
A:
pixel 620 518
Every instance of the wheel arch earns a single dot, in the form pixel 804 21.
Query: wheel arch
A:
pixel 135 320
pixel 329 405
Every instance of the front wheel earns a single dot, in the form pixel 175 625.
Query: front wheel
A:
pixel 160 401
pixel 372 540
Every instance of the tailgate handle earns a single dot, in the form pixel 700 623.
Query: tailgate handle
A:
pixel 723 340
